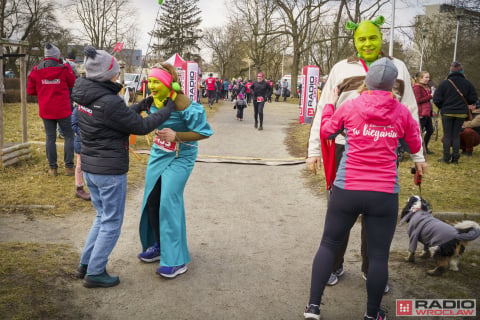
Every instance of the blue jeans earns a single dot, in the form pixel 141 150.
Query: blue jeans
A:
pixel 108 193
pixel 51 139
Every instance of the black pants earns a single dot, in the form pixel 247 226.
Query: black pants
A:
pixel 380 211
pixel 258 111
pixel 211 96
pixel 427 125
pixel 451 136
pixel 153 208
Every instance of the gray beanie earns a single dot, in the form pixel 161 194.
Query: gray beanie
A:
pixel 51 51
pixel 99 64
pixel 381 75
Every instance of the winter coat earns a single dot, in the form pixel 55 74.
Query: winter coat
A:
pixel 106 123
pixel 423 97
pixel 50 81
pixel 447 99
pixel 372 124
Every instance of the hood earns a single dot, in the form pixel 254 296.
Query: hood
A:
pixel 50 73
pixel 86 91
pixel 380 107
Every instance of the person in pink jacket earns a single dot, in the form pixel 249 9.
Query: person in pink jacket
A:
pixel 366 181
pixel 423 95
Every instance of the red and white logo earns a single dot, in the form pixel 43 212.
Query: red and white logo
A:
pixel 437 307
pixel 404 308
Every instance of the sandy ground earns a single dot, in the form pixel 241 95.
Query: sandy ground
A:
pixel 252 231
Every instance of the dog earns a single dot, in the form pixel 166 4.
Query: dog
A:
pixel 446 243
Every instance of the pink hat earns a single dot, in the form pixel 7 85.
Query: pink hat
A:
pixel 260 74
pixel 240 96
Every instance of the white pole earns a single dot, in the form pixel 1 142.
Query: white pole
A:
pixel 421 55
pixel 456 40
pixel 390 49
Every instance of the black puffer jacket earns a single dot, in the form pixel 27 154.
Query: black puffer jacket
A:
pixel 106 122
pixel 447 98
pixel 261 89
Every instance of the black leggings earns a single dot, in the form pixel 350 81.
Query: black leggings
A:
pixel 427 125
pixel 153 207
pixel 380 212
pixel 258 111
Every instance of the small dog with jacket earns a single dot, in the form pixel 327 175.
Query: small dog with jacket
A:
pixel 441 240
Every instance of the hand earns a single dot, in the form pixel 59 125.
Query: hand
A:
pixel 313 163
pixel 421 167
pixel 333 96
pixel 166 134
pixel 169 104
pixel 147 102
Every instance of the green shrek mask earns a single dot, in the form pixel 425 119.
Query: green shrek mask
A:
pixel 162 86
pixel 368 38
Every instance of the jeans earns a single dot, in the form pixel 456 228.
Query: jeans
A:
pixel 108 193
pixel 51 139
pixel 451 136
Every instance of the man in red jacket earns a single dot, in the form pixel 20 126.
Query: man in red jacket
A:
pixel 50 81
pixel 210 82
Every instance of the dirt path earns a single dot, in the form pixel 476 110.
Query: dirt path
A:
pixel 252 232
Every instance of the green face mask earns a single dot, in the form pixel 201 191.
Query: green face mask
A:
pixel 368 41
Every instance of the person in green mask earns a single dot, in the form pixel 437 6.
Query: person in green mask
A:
pixel 346 77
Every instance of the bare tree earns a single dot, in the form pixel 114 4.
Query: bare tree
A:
pixel 33 21
pixel 439 43
pixel 227 49
pixel 300 20
pixel 105 22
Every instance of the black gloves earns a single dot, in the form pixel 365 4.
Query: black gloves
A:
pixel 147 102
pixel 169 104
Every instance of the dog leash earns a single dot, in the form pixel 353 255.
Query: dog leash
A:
pixel 417 179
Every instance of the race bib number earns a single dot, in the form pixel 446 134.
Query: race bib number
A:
pixel 164 145
pixel 259 99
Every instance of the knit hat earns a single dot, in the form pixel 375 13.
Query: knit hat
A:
pixel 381 75
pixel 99 64
pixel 456 67
pixel 240 96
pixel 51 51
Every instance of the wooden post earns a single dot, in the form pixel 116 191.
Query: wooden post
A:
pixel 2 92
pixel 23 94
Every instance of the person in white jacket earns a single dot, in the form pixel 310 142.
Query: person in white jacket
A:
pixel 347 76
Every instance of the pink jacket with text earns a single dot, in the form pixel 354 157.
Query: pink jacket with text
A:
pixel 372 124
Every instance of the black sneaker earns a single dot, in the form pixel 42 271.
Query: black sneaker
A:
pixel 312 311
pixel 81 271
pixel 103 280
pixel 380 316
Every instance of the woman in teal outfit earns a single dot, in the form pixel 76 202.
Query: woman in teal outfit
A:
pixel 172 157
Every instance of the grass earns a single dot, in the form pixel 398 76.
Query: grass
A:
pixel 33 277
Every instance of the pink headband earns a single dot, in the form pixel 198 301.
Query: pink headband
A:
pixel 163 76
